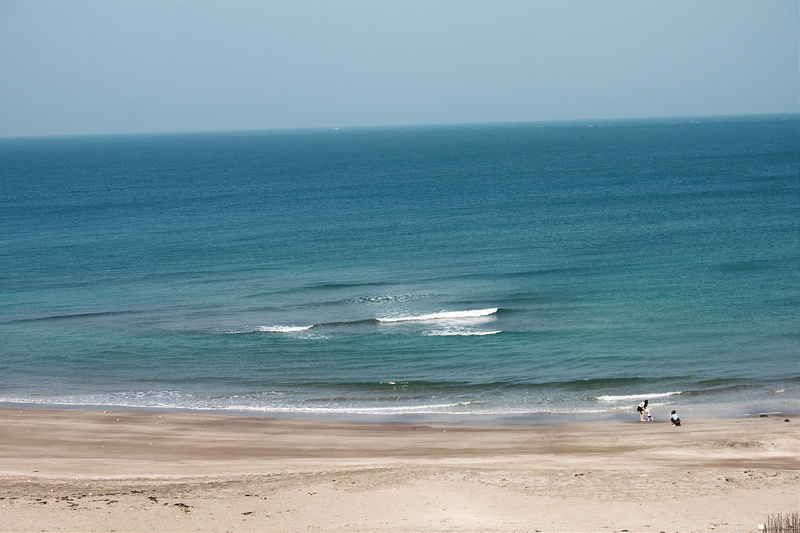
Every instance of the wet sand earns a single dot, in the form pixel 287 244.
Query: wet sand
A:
pixel 65 470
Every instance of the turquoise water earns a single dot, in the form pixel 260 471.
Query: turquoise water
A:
pixel 510 269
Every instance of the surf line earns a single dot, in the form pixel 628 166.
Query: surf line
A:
pixel 282 329
pixel 442 315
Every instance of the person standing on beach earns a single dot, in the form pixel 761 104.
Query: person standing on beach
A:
pixel 641 407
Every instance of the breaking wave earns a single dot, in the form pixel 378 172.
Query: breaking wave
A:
pixel 629 397
pixel 441 315
pixel 459 333
pixel 282 329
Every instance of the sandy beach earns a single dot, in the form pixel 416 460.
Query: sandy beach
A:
pixel 174 471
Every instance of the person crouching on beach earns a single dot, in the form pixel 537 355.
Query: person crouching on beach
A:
pixel 676 421
pixel 641 407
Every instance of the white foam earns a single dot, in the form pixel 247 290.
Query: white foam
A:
pixel 457 408
pixel 459 333
pixel 429 408
pixel 639 397
pixel 283 329
pixel 442 315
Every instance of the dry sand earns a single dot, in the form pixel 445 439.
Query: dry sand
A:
pixel 145 471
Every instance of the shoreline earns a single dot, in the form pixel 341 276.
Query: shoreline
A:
pixel 89 470
pixel 724 410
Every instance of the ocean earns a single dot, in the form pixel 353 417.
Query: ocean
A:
pixel 504 272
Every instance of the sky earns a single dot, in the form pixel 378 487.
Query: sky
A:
pixel 131 66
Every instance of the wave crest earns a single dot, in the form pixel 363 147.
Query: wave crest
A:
pixel 442 315
pixel 283 329
pixel 629 397
pixel 459 333
pixel 269 329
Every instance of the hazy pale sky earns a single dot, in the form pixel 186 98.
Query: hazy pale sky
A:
pixel 118 66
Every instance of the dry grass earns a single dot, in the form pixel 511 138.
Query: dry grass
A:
pixel 783 523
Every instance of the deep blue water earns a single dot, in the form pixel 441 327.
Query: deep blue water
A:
pixel 486 269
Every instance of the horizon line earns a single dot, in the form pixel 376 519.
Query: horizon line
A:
pixel 795 114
